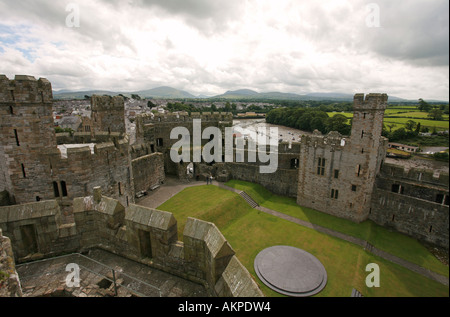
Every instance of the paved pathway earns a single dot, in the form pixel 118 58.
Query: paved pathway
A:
pixel 172 186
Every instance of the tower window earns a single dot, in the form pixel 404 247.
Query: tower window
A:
pixel 294 163
pixel 11 110
pixel 362 134
pixel 17 137
pixel 321 166
pixel 64 188
pixel 159 142
pixel 55 189
pixel 334 193
pixel 23 171
pixel 336 173
pixel 354 188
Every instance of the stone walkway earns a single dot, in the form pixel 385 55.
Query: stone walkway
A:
pixel 173 186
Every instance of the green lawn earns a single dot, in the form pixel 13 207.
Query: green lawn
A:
pixel 249 231
pixel 380 237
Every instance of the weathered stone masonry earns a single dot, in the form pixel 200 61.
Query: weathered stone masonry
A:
pixel 146 235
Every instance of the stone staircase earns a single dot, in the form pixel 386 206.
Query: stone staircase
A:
pixel 248 199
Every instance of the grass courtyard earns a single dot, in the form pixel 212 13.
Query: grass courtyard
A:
pixel 249 231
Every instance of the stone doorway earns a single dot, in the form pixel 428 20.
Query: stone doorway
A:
pixel 29 241
pixel 145 244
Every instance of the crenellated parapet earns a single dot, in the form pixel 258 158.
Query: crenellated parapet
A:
pixel 419 175
pixel 25 89
pixel 370 101
pixel 332 139
pixel 184 117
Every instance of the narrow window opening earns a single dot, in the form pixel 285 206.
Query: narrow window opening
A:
pixel 294 163
pixel 321 166
pixel 23 171
pixel 334 193
pixel 159 142
pixel 12 95
pixel 11 110
pixel 55 189
pixel 63 188
pixel 431 228
pixel 439 198
pixel 395 188
pixel 354 188
pixel 336 173
pixel 38 198
pixel 362 134
pixel 358 170
pixel 393 218
pixel 17 137
pixel 120 188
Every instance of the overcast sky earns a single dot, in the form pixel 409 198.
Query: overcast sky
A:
pixel 398 47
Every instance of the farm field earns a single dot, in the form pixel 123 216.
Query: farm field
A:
pixel 249 231
pixel 398 116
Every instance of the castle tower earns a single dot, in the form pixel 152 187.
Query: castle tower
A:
pixel 108 114
pixel 337 174
pixel 27 132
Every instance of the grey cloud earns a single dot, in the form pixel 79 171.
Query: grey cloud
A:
pixel 415 31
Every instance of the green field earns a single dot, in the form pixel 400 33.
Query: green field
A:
pixel 249 231
pixel 400 115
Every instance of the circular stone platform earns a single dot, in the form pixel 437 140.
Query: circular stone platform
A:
pixel 290 271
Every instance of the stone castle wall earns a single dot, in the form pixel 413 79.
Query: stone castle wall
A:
pixel 146 235
pixel 33 168
pixel 337 174
pixel 413 202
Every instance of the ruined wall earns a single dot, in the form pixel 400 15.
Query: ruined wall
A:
pixel 413 202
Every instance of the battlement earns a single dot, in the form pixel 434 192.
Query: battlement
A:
pixel 25 89
pixel 185 117
pixel 415 174
pixel 373 101
pixel 333 138
pixel 106 103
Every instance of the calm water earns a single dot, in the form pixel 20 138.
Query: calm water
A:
pixel 251 125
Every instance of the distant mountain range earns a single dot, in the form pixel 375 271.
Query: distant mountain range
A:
pixel 165 92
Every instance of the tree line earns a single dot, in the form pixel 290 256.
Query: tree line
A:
pixel 309 119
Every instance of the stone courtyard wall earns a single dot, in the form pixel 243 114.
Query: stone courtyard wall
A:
pixel 414 202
